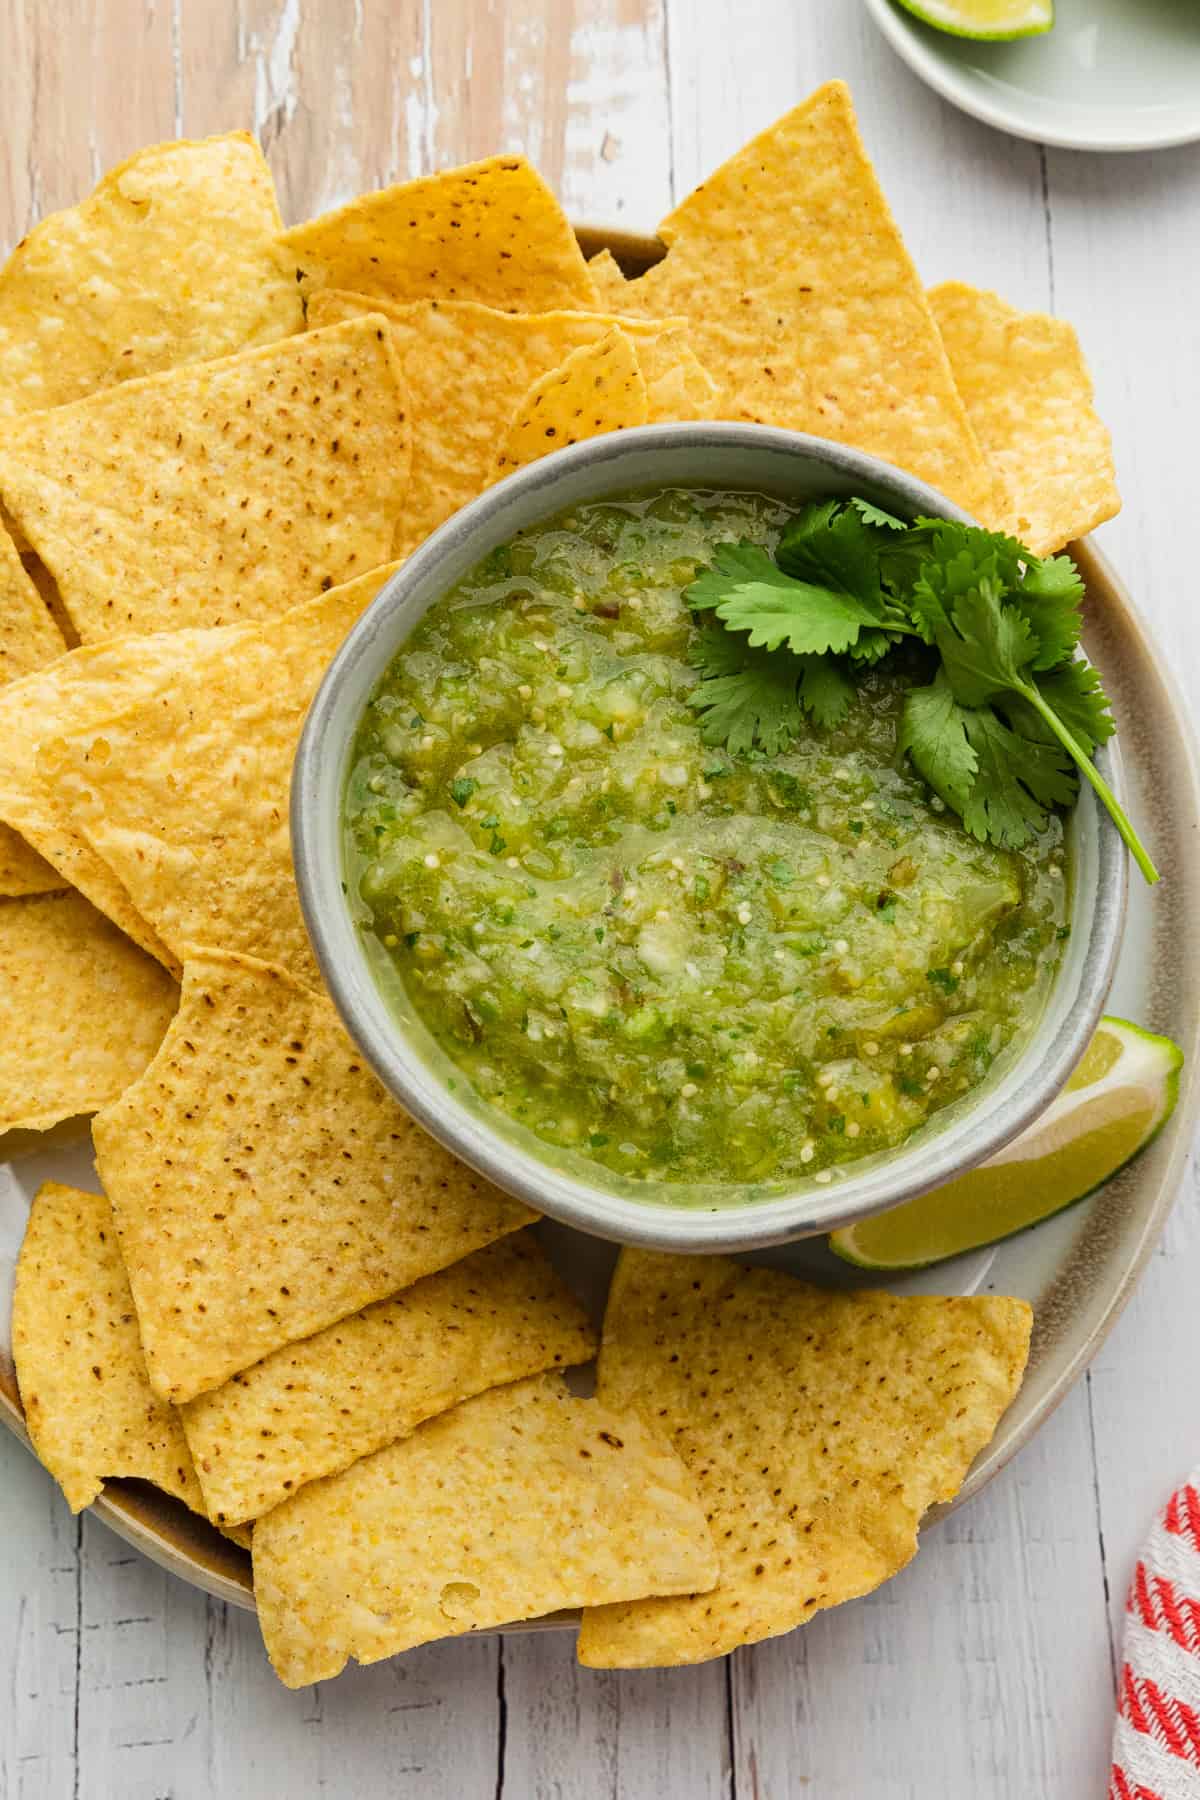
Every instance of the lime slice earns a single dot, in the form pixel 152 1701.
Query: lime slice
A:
pixel 1121 1094
pixel 992 20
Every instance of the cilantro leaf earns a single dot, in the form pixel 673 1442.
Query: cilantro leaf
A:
pixel 832 546
pixel 933 731
pixel 987 645
pixel 875 515
pixel 826 690
pixel 1000 809
pixel 1076 696
pixel 749 593
pixel 1049 596
pixel 747 698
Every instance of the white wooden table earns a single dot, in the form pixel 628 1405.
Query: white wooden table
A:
pixel 986 1669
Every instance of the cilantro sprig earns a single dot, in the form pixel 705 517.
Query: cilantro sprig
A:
pixel 1013 713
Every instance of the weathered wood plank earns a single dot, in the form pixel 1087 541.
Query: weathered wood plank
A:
pixel 71 107
pixel 594 1735
pixel 39 1598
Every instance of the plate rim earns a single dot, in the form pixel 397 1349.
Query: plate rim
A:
pixel 925 63
pixel 224 1573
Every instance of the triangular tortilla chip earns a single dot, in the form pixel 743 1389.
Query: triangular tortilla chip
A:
pixel 804 302
pixel 88 1404
pixel 82 1011
pixel 86 684
pixel 490 231
pixel 175 258
pixel 265 1185
pixel 609 278
pixel 313 1408
pixel 598 388
pixel 184 792
pixel 468 368
pixel 819 1427
pixel 28 638
pixel 223 491
pixel 1028 394
pixel 28 635
pixel 514 1504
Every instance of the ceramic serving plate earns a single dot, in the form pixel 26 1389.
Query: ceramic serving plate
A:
pixel 1111 75
pixel 1078 1269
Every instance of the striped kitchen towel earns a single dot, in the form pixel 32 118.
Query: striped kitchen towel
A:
pixel 1156 1744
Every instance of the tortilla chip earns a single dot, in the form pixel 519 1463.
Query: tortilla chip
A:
pixel 28 635
pixel 28 638
pixel 609 279
pixel 81 1010
pixel 804 301
pixel 175 258
pixel 265 1185
pixel 316 1407
pixel 491 231
pixel 1028 394
pixel 598 388
pixel 184 793
pixel 81 1372
pixel 223 491
pixel 514 1504
pixel 92 682
pixel 467 369
pixel 819 1427
pixel 22 870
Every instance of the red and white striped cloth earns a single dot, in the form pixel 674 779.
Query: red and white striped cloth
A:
pixel 1156 1744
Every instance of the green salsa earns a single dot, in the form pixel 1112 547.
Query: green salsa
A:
pixel 686 965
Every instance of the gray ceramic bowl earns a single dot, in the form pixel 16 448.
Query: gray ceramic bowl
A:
pixel 372 1001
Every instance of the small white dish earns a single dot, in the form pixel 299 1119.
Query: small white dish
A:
pixel 1111 75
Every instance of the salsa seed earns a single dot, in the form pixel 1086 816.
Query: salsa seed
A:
pixel 824 1175
pixel 807 1152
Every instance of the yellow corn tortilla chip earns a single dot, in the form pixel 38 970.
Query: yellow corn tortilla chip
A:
pixel 22 870
pixel 598 388
pixel 175 258
pixel 490 231
pixel 28 638
pixel 222 491
pixel 88 1405
pixel 313 1408
pixel 1028 394
pixel 819 1427
pixel 467 369
pixel 184 793
pixel 516 1503
pixel 85 684
pixel 82 1011
pixel 609 279
pixel 804 302
pixel 28 635
pixel 265 1185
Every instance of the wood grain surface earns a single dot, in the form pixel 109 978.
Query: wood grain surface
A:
pixel 985 1671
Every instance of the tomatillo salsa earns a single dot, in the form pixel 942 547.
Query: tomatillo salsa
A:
pixel 685 964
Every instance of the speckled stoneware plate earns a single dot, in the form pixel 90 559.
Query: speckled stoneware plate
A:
pixel 1078 1269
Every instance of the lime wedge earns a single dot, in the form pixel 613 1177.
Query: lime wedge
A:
pixel 991 20
pixel 1122 1093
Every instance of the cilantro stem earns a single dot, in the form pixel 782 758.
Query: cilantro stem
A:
pixel 1086 767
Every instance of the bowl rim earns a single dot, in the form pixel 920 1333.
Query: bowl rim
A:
pixel 320 769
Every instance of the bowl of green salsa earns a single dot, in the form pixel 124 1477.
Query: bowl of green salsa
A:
pixel 686 836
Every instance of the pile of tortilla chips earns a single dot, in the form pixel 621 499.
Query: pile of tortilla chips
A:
pixel 290 1309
